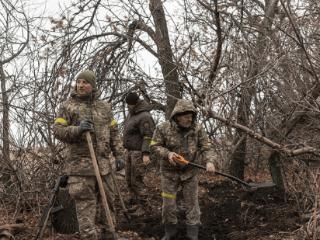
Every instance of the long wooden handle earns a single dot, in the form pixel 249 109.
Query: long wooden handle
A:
pixel 43 223
pixel 100 184
pixel 125 210
pixel 47 211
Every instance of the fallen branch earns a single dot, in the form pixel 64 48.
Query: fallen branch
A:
pixel 7 231
pixel 12 227
pixel 260 138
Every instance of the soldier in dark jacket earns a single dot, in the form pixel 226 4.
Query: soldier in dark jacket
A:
pixel 80 113
pixel 181 135
pixel 138 130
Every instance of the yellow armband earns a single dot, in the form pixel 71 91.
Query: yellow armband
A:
pixel 61 121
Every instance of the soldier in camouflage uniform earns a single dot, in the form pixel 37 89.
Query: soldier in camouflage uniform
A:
pixel 181 135
pixel 80 113
pixel 137 134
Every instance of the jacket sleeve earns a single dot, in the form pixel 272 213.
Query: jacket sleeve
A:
pixel 115 140
pixel 146 128
pixel 157 145
pixel 205 148
pixel 62 128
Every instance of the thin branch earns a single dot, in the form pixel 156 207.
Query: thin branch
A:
pixel 260 138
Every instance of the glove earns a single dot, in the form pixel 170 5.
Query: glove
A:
pixel 63 181
pixel 119 164
pixel 85 125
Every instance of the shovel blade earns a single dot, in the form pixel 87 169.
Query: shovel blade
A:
pixel 262 185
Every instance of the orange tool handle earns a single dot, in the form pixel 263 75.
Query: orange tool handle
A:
pixel 181 160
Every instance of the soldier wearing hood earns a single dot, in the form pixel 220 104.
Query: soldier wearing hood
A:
pixel 181 135
pixel 82 112
pixel 137 134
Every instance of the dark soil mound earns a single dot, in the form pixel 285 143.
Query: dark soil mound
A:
pixel 228 212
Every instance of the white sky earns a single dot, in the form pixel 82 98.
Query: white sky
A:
pixel 44 7
pixel 52 8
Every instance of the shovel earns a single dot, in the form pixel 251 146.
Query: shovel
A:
pixel 125 210
pixel 249 186
pixel 100 185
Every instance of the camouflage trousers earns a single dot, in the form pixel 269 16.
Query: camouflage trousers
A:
pixel 170 183
pixel 135 172
pixel 90 213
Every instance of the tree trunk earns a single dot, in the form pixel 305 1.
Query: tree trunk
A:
pixel 247 92
pixel 5 128
pixel 275 169
pixel 298 111
pixel 168 67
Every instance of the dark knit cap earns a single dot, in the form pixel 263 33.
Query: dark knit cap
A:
pixel 89 76
pixel 132 98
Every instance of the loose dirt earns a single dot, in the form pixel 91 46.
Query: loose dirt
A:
pixel 229 212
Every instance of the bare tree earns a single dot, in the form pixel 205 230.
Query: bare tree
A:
pixel 251 68
pixel 256 56
pixel 14 39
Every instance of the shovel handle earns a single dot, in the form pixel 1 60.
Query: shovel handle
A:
pixel 100 184
pixel 234 179
pixel 181 160
pixel 222 174
pixel 125 210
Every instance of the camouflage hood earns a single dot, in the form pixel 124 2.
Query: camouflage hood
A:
pixel 183 106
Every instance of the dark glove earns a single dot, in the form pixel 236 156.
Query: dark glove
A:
pixel 85 125
pixel 63 181
pixel 119 164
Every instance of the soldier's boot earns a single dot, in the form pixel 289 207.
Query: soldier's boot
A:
pixel 192 232
pixel 170 232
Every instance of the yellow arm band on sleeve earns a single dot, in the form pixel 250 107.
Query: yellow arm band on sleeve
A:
pixel 113 123
pixel 153 142
pixel 61 121
pixel 168 195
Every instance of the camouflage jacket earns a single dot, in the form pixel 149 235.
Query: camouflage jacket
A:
pixel 105 138
pixel 138 128
pixel 193 143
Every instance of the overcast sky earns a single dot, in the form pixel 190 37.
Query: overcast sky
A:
pixel 44 7
pixel 52 8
